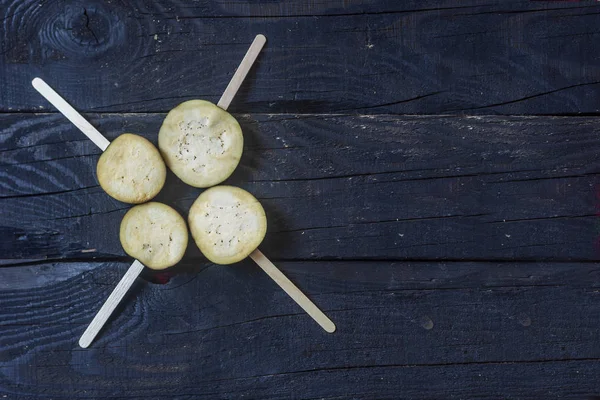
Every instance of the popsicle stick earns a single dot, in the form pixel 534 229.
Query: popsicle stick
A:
pixel 242 71
pixel 293 291
pixel 111 303
pixel 71 114
pixel 258 257
pixel 99 140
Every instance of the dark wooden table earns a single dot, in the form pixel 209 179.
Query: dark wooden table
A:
pixel 429 170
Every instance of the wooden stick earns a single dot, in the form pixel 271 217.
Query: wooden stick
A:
pixel 293 291
pixel 99 140
pixel 111 303
pixel 242 71
pixel 257 255
pixel 71 114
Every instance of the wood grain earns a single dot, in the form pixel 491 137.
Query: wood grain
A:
pixel 334 187
pixel 456 254
pixel 406 330
pixel 424 57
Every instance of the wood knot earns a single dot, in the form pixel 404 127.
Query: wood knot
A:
pixel 89 27
pixel 81 31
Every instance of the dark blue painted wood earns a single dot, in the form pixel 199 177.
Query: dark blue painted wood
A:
pixel 334 187
pixel 426 57
pixel 421 236
pixel 405 330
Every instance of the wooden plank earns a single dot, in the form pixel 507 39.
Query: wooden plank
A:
pixel 482 56
pixel 344 187
pixel 406 330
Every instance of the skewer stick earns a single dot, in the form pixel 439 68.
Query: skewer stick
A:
pixel 292 291
pixel 99 140
pixel 71 114
pixel 111 303
pixel 258 257
pixel 242 71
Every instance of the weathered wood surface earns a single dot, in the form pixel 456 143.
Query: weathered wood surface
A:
pixel 476 56
pixel 405 330
pixel 456 254
pixel 334 187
